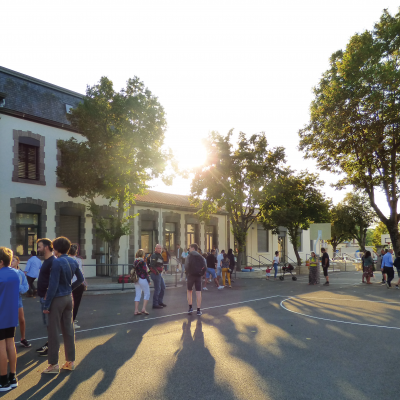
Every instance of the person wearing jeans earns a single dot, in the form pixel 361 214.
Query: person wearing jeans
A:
pixel 276 262
pixel 156 269
pixel 58 304
pixel 32 272
pixel 142 284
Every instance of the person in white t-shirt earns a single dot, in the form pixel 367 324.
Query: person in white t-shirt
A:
pixel 276 262
pixel 220 257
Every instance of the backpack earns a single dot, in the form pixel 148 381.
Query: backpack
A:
pixel 133 276
pixel 196 266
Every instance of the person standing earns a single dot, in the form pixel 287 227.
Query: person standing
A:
pixel 226 271
pixel 195 266
pixel 325 265
pixel 45 249
pixel 23 288
pixel 313 273
pixel 387 266
pixel 156 269
pixel 211 268
pixel 220 257
pixel 397 265
pixel 77 293
pixel 231 263
pixel 58 305
pixel 32 272
pixel 142 284
pixel 379 262
pixel 184 255
pixel 166 257
pixel 275 264
pixel 9 292
pixel 368 267
pixel 178 257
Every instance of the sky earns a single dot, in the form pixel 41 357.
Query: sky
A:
pixel 214 65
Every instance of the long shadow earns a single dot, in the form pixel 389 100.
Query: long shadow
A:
pixel 193 361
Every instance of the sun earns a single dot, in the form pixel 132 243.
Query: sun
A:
pixel 193 156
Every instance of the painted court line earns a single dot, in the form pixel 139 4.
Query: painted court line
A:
pixel 163 316
pixel 338 321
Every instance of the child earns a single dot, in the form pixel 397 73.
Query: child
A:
pixel 268 273
pixel 9 293
pixel 23 288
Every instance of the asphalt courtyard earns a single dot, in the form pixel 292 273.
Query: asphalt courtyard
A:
pixel 259 340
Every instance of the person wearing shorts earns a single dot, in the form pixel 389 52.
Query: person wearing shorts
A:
pixel 396 264
pixel 211 268
pixel 9 293
pixel 194 279
pixel 325 265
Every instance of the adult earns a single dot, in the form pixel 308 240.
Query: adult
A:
pixel 166 257
pixel 368 267
pixel 178 257
pixel 379 264
pixel 226 270
pixel 231 263
pixel 32 272
pixel 156 269
pixel 142 284
pixel 220 257
pixel 45 249
pixel 204 255
pixel 313 272
pixel 77 293
pixel 9 289
pixel 325 265
pixel 195 266
pixel 58 305
pixel 184 255
pixel 212 268
pixel 387 266
pixel 23 288
pixel 275 264
pixel 397 265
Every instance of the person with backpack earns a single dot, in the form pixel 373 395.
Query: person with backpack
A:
pixel 195 266
pixel 142 279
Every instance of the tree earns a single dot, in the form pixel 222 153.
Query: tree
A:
pixel 340 226
pixel 354 127
pixel 294 201
pixel 233 178
pixel 379 230
pixel 123 133
pixel 360 217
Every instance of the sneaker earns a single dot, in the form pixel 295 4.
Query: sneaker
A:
pixel 199 313
pixel 220 287
pixel 388 284
pixel 190 311
pixel 25 343
pixel 5 387
pixel 157 306
pixel 76 320
pixel 163 304
pixel 43 353
pixel 13 382
pixel 76 326
pixel 204 288
pixel 326 284
pixel 43 348
pixel 383 283
pixel 397 286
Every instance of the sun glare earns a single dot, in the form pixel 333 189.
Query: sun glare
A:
pixel 193 157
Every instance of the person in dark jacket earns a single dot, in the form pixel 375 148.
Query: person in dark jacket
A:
pixel 156 269
pixel 231 262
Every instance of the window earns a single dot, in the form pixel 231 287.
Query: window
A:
pixel 190 236
pixel 27 233
pixel 170 236
pixel 69 227
pixel 209 237
pixel 28 161
pixel 262 239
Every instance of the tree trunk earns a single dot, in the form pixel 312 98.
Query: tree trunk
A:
pixel 334 246
pixel 239 261
pixel 114 250
pixel 395 238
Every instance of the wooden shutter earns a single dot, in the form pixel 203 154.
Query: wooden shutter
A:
pixel 28 161
pixel 69 227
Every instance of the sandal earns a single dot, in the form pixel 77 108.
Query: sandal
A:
pixel 137 313
pixel 145 313
pixel 52 369
pixel 69 366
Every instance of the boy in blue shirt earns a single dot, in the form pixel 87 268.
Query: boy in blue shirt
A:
pixel 9 294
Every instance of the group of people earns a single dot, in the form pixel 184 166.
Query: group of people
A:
pixel 199 268
pixel 386 264
pixel 60 275
pixel 313 275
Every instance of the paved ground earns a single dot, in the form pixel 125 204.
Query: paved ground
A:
pixel 259 340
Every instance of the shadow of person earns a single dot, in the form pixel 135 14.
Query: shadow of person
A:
pixel 194 367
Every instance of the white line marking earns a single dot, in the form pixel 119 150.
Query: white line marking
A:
pixel 163 316
pixel 335 320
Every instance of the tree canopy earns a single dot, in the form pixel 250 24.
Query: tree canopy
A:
pixel 294 201
pixel 233 179
pixel 354 127
pixel 123 133
pixel 340 230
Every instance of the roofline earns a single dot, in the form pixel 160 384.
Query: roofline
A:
pixel 40 82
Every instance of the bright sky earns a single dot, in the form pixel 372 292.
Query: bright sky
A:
pixel 215 65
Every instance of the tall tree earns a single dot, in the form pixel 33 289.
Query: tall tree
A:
pixel 294 201
pixel 360 217
pixel 233 178
pixel 379 230
pixel 123 133
pixel 355 117
pixel 340 229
